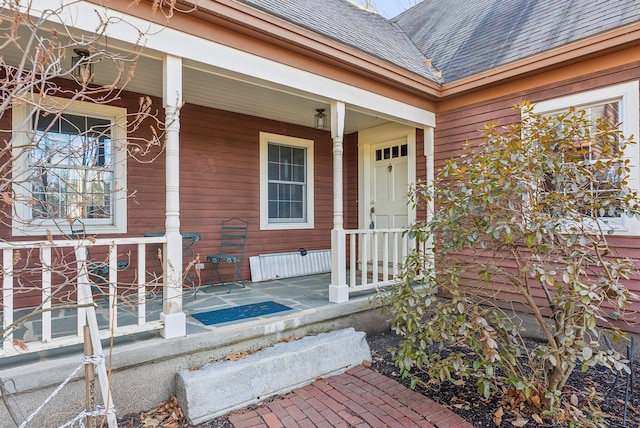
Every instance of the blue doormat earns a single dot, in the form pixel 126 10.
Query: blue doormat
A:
pixel 240 312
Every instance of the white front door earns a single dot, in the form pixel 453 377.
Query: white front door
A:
pixel 389 185
pixel 387 164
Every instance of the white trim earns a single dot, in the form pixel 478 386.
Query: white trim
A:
pixel 265 139
pixel 628 95
pixel 127 28
pixel 377 135
pixel 22 223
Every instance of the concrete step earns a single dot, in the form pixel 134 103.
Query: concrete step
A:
pixel 224 386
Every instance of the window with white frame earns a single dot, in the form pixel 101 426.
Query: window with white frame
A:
pixel 286 182
pixel 618 104
pixel 69 162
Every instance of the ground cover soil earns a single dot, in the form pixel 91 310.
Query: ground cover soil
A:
pixel 460 398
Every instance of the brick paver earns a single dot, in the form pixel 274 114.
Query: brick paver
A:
pixel 358 398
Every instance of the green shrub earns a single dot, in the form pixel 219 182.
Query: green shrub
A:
pixel 521 222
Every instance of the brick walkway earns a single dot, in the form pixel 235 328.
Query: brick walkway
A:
pixel 358 398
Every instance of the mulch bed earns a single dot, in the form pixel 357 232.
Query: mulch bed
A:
pixel 462 398
pixel 466 402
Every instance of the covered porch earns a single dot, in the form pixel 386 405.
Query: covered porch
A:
pixel 219 96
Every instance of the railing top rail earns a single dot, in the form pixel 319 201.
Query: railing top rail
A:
pixel 86 242
pixel 359 231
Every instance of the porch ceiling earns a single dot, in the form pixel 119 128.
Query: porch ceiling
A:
pixel 221 89
pixel 242 94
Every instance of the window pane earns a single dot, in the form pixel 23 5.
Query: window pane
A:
pixel 273 192
pixel 274 172
pixel 285 171
pixel 283 210
pixel 296 210
pixel 273 209
pixel 298 156
pixel 274 153
pixel 298 174
pixel 297 193
pixel 286 155
pixel 283 192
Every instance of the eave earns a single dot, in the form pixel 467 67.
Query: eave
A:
pixel 314 49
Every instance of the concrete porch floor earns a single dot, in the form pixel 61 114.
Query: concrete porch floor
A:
pixel 299 293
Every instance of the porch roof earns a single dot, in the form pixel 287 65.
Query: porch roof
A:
pixel 353 26
pixel 465 38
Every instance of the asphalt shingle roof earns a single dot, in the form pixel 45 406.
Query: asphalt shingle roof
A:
pixel 352 26
pixel 466 37
pixel 461 37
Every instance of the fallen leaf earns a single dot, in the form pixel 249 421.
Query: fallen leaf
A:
pixel 237 356
pixel 537 418
pixel 535 400
pixel 520 422
pixel 150 421
pixel 497 416
pixel 289 339
pixel 574 399
pixel 20 344
pixel 366 363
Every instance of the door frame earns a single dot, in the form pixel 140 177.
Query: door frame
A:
pixel 378 135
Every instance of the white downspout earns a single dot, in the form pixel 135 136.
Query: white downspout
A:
pixel 175 323
pixel 338 289
pixel 429 155
pixel 429 149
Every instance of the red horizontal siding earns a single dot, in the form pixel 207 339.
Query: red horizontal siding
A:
pixel 456 126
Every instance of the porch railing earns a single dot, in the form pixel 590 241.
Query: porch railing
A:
pixel 46 273
pixel 374 257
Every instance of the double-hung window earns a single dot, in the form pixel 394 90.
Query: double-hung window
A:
pixel 618 104
pixel 69 163
pixel 286 191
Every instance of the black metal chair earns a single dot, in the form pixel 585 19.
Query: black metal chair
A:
pixel 98 271
pixel 232 242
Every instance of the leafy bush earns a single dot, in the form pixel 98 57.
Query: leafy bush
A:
pixel 521 223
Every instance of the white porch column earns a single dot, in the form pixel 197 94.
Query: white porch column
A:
pixel 338 289
pixel 172 315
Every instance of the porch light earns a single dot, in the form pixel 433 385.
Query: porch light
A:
pixel 82 68
pixel 321 119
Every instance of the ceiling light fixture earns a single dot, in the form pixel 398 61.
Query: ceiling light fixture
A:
pixel 320 119
pixel 81 67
